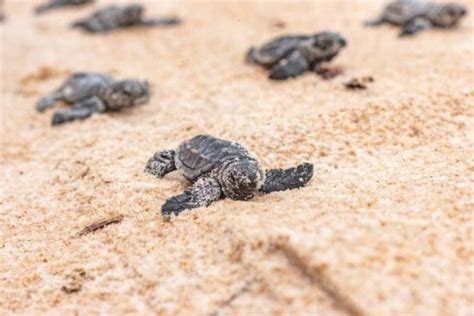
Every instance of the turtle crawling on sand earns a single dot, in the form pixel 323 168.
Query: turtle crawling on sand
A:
pixel 220 169
pixel 54 4
pixel 113 17
pixel 416 15
pixel 89 93
pixel 292 55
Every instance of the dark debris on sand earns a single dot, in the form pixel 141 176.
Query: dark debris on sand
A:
pixel 328 73
pixel 359 83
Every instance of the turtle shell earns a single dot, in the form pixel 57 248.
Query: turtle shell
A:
pixel 83 85
pixel 271 52
pixel 401 12
pixel 201 154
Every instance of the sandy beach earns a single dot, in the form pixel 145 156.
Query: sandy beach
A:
pixel 385 227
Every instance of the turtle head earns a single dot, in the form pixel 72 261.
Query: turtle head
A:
pixel 448 15
pixel 326 45
pixel 241 179
pixel 133 12
pixel 127 93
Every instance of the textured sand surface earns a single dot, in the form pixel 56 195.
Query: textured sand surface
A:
pixel 384 227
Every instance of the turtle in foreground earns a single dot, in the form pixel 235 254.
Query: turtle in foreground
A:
pixel 415 15
pixel 55 4
pixel 113 17
pixel 220 169
pixel 89 93
pixel 292 55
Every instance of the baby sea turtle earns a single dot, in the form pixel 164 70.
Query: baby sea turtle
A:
pixel 415 15
pixel 113 17
pixel 291 55
pixel 219 168
pixel 54 4
pixel 89 93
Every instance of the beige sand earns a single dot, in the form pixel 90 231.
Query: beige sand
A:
pixel 384 227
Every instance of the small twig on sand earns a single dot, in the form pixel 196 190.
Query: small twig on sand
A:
pixel 99 225
pixel 279 24
pixel 319 276
pixel 71 289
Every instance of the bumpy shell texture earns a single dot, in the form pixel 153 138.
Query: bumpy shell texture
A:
pixel 201 154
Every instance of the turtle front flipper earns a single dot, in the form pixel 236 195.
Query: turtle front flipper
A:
pixel 160 21
pixel 202 193
pixel 81 110
pixel 49 101
pixel 161 163
pixel 374 22
pixel 287 179
pixel 414 26
pixel 293 65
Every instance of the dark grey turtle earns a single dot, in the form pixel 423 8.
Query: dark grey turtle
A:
pixel 416 15
pixel 220 169
pixel 2 15
pixel 89 93
pixel 292 55
pixel 55 4
pixel 113 17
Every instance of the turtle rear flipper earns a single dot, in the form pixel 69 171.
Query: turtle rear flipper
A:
pixel 79 24
pixel 78 111
pixel 414 26
pixel 48 101
pixel 161 163
pixel 287 179
pixel 250 56
pixel 202 193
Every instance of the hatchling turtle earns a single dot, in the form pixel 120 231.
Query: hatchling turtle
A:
pixel 113 17
pixel 416 15
pixel 220 169
pixel 89 93
pixel 292 55
pixel 54 4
